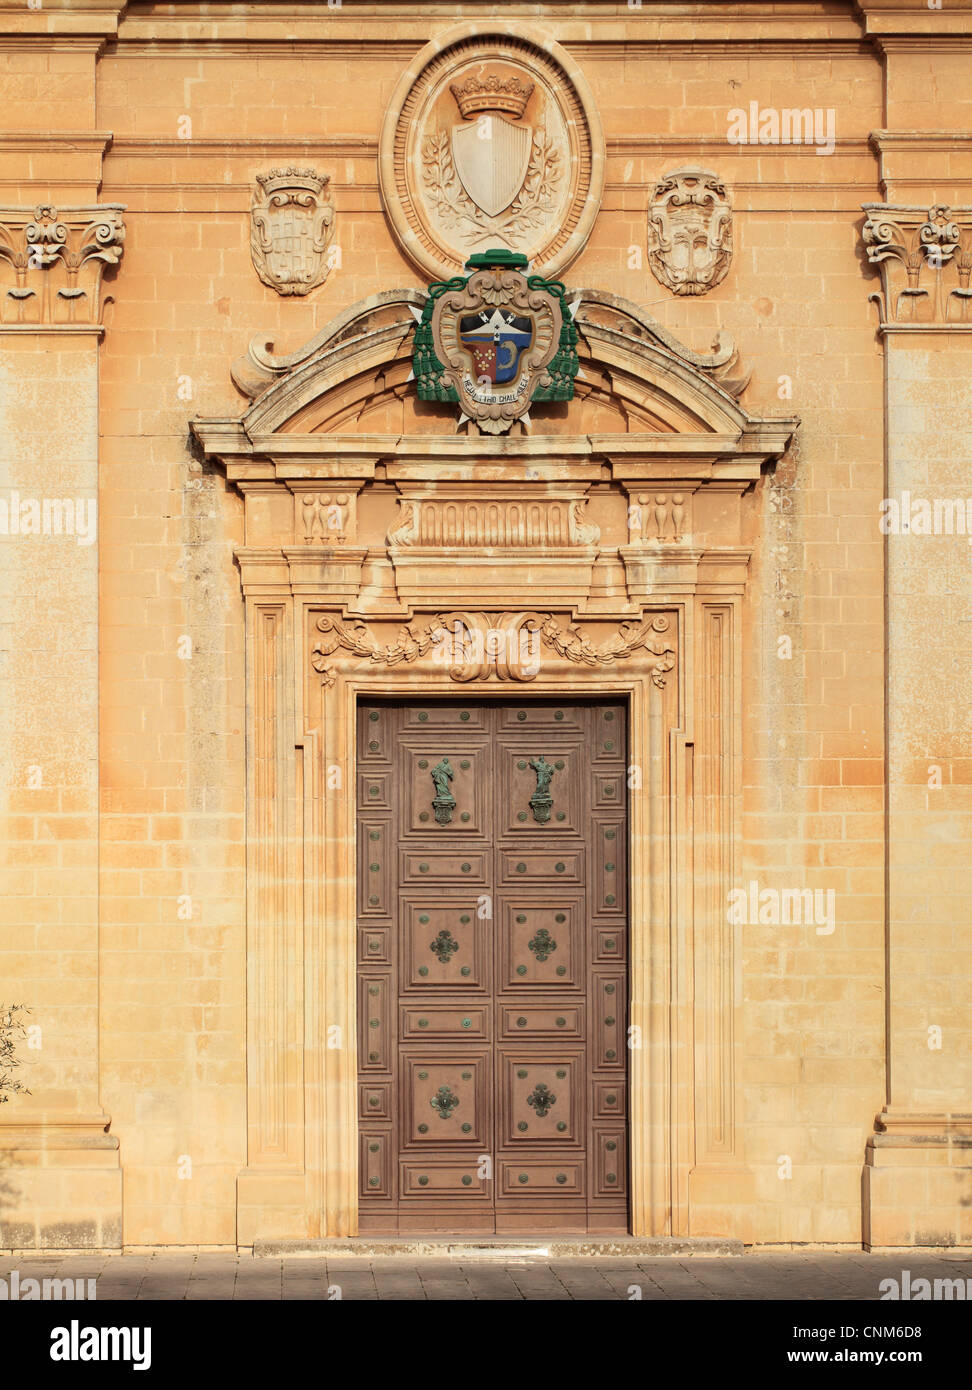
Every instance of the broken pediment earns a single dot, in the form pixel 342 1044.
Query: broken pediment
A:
pixel 355 376
pixel 358 492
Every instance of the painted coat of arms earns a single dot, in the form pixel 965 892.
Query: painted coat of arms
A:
pixel 494 341
pixel 291 224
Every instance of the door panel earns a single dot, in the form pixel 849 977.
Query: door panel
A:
pixel 444 947
pixel 492 982
pixel 540 948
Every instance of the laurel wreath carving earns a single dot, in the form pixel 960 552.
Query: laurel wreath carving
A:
pixel 531 207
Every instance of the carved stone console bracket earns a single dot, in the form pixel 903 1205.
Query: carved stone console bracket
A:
pixel 924 256
pixel 52 262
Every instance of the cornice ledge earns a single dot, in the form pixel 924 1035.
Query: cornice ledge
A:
pixel 760 440
pixel 78 19
pixel 33 141
pixel 278 457
pixel 896 1120
pixel 915 139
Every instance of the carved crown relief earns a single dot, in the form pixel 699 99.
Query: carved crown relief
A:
pixel 491 141
pixel 492 156
pixel 690 231
pixel 291 226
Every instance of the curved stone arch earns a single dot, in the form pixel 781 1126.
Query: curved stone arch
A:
pixel 364 356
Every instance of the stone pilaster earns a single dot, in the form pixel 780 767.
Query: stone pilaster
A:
pixel 918 1175
pixel 61 1179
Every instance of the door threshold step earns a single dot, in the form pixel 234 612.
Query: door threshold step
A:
pixel 501 1248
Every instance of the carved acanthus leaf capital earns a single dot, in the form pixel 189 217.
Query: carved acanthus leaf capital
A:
pixel 52 261
pixel 924 256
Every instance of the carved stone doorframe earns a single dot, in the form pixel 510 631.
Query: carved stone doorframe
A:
pixel 307 667
pixel 652 715
pixel 350 535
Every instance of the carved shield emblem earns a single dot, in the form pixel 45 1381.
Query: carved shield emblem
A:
pixel 491 139
pixel 291 222
pixel 491 159
pixel 690 231
pixel 495 341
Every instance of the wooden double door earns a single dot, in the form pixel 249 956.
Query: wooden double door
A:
pixel 492 981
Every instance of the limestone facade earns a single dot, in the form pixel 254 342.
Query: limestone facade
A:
pixel 239 494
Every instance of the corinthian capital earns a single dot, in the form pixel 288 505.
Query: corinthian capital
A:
pixel 52 261
pixel 924 256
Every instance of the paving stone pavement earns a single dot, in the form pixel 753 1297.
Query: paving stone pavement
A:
pixel 754 1276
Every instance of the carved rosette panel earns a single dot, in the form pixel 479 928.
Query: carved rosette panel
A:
pixel 489 141
pixel 924 256
pixel 690 231
pixel 52 262
pixel 291 226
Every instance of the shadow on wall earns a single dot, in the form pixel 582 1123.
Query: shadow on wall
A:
pixel 11 1030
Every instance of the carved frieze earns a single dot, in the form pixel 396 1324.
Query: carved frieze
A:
pixel 291 226
pixel 924 256
pixel 52 261
pixel 509 518
pixel 509 536
pixel 491 140
pixel 475 646
pixel 690 231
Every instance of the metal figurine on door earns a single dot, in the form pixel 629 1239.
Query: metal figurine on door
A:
pixel 541 801
pixel 444 802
